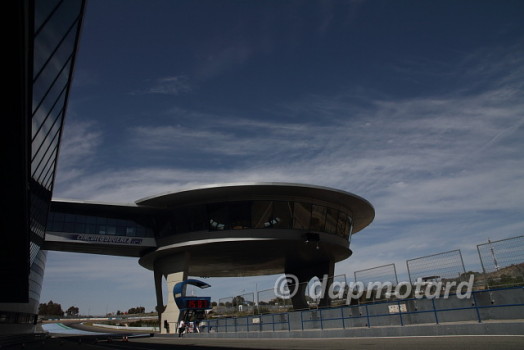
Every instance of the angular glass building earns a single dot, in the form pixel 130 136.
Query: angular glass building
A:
pixel 42 57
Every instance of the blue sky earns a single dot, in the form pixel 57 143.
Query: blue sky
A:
pixel 417 106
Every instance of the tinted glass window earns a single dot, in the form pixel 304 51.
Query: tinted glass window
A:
pixel 349 227
pixel 200 220
pixel 261 214
pixel 90 229
pixel 282 215
pixel 182 220
pixel 341 225
pixel 240 215
pixel 130 231
pixel 218 216
pixel 318 218
pixel 102 230
pixel 302 216
pixel 80 227
pixel 101 221
pixel 331 220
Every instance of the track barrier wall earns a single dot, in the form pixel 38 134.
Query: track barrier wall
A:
pixel 484 305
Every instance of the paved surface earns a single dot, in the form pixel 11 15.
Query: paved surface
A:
pixel 424 343
pixel 114 340
pixel 61 328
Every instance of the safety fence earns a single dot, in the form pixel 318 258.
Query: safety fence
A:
pixel 445 265
pixel 502 263
pixel 244 303
pixel 384 273
pixel 482 305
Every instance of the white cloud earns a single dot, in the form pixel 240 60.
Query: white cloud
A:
pixel 169 85
pixel 79 146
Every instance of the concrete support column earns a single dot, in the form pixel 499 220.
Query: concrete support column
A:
pixel 304 274
pixel 160 307
pixel 171 314
pixel 174 269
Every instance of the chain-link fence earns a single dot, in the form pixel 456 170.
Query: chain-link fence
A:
pixel 333 288
pixel 437 267
pixel 225 306
pixel 268 302
pixel 339 289
pixel 503 261
pixel 238 305
pixel 376 275
pixel 246 303
pixel 383 274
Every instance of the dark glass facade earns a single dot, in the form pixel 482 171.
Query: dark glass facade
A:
pixel 50 31
pixel 221 216
pixel 100 225
pixel 243 215
pixel 57 24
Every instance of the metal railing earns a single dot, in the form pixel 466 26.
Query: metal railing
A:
pixel 483 305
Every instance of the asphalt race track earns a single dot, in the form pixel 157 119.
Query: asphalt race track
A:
pixel 425 343
pixel 114 340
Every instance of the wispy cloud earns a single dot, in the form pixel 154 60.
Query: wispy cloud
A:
pixel 220 61
pixel 170 85
pixel 79 146
pixel 428 155
pixel 226 137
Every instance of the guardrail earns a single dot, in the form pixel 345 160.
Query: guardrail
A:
pixel 492 304
pixel 254 323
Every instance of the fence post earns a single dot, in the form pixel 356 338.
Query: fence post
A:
pixel 476 307
pixel 434 310
pixel 400 313
pixel 343 319
pixel 367 315
pixel 409 272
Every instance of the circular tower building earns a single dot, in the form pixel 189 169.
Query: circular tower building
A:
pixel 251 229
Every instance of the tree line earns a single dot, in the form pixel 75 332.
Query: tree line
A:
pixel 55 309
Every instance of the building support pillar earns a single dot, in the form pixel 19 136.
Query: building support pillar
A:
pixel 174 269
pixel 304 273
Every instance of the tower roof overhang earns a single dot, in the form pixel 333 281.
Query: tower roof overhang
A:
pixel 362 211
